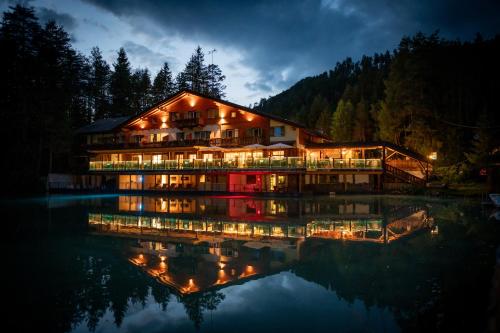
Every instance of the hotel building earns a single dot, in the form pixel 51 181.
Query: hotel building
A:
pixel 192 142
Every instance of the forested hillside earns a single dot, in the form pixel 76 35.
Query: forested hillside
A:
pixel 430 94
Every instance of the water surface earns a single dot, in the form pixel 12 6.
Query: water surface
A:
pixel 241 264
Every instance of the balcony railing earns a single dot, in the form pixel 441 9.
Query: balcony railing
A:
pixel 275 162
pixel 219 142
pixel 345 163
pixel 240 141
pixel 188 122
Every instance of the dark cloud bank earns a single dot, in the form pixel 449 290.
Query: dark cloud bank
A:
pixel 287 40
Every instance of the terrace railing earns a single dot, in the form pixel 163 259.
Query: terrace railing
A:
pixel 345 163
pixel 275 162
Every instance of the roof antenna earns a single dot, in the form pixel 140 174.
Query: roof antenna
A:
pixel 211 52
pixel 211 78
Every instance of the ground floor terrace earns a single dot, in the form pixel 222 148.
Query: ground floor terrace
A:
pixel 278 168
pixel 244 182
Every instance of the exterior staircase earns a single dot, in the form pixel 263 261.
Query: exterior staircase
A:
pixel 403 176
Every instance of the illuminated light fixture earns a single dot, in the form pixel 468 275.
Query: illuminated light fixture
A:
pixel 222 265
pixel 249 118
pixel 191 282
pixel 435 231
pixel 142 125
pixel 433 156
pixel 163 119
pixel 249 269
pixel 162 258
pixel 141 256
pixel 192 102
pixel 163 125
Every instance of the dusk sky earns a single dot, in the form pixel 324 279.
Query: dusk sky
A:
pixel 263 47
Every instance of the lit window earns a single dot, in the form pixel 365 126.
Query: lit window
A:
pixel 156 159
pixel 233 114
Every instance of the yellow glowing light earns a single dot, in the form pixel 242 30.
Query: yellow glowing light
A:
pixel 191 282
pixel 162 258
pixel 164 119
pixel 142 125
pixel 433 156
pixel 141 256
pixel 192 102
pixel 249 269
pixel 163 125
pixel 249 118
pixel 222 265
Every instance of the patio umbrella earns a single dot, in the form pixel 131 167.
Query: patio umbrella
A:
pixel 255 146
pixel 279 146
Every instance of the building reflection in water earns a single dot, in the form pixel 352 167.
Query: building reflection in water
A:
pixel 198 244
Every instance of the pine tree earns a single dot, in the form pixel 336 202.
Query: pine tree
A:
pixel 99 85
pixel 121 86
pixel 163 85
pixel 481 143
pixel 198 77
pixel 141 90
pixel 362 129
pixel 215 78
pixel 342 122
pixel 318 106
pixel 195 75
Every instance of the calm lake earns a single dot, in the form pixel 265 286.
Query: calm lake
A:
pixel 240 264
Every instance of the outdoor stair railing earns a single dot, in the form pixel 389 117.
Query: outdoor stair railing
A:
pixel 403 175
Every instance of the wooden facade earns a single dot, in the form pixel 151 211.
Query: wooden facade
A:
pixel 192 142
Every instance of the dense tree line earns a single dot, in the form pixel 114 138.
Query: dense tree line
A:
pixel 49 90
pixel 430 94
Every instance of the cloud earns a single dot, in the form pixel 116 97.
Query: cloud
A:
pixel 96 24
pixel 285 40
pixel 66 20
pixel 146 57
pixel 258 86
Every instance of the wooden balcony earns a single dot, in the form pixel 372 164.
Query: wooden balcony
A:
pixel 237 142
pixel 187 123
pixel 219 142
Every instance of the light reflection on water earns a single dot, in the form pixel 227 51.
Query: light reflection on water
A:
pixel 352 263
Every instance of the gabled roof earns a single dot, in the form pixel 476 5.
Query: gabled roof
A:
pixel 103 125
pixel 218 100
